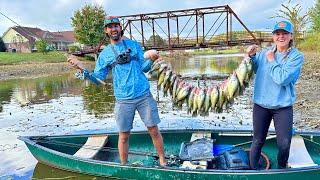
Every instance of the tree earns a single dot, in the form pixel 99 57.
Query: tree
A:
pixel 158 41
pixel 315 16
pixel 2 46
pixel 42 46
pixel 292 13
pixel 88 24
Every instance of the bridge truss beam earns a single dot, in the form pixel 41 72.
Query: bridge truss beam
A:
pixel 192 29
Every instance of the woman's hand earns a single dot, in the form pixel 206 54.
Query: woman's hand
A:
pixel 73 60
pixel 252 50
pixel 270 55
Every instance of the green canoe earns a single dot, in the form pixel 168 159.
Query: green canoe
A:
pixel 96 154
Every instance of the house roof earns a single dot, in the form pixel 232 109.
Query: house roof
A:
pixel 30 33
pixel 33 34
pixel 65 35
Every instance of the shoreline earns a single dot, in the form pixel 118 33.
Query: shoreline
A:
pixel 32 70
pixel 307 88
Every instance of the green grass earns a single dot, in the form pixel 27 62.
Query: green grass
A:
pixel 7 58
pixel 310 43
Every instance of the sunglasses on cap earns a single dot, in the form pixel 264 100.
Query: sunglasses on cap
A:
pixel 112 20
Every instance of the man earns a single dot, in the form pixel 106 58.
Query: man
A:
pixel 124 58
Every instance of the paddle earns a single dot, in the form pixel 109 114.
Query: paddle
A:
pixel 221 148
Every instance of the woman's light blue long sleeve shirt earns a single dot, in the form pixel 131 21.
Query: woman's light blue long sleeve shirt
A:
pixel 274 81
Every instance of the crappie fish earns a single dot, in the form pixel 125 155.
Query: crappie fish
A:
pixel 207 101
pixel 200 100
pixel 167 76
pixel 183 93
pixel 195 108
pixel 241 72
pixel 233 86
pixel 249 70
pixel 190 98
pixel 161 78
pixel 222 97
pixel 214 97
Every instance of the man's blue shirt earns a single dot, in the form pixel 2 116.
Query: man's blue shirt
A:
pixel 129 80
pixel 274 81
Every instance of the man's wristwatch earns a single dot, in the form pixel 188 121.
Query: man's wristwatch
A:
pixel 253 55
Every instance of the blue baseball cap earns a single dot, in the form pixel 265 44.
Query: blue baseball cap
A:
pixel 111 20
pixel 283 25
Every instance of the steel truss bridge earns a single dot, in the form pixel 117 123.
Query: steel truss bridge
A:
pixel 207 27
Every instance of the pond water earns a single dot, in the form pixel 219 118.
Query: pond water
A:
pixel 64 105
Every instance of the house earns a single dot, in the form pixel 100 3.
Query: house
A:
pixel 22 39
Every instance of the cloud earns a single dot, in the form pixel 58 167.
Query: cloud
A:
pixel 56 15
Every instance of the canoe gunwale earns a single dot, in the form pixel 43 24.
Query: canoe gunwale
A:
pixel 31 140
pixel 222 131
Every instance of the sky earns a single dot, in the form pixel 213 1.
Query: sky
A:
pixel 56 15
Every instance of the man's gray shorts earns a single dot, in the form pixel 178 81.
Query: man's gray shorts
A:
pixel 147 109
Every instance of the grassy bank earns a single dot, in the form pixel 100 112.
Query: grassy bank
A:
pixel 7 58
pixel 310 42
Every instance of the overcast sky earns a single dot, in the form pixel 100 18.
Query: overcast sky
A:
pixel 54 15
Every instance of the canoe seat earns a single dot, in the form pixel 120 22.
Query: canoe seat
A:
pixel 299 156
pixel 197 164
pixel 92 146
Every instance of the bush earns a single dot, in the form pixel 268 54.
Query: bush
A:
pixel 42 46
pixel 73 48
pixel 310 43
pixel 2 46
pixel 89 57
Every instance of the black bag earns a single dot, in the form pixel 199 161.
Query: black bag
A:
pixel 235 159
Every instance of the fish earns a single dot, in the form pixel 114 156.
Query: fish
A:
pixel 183 92
pixel 171 82
pixel 233 86
pixel 181 84
pixel 161 78
pixel 214 97
pixel 241 72
pixel 249 70
pixel 166 88
pixel 195 108
pixel 190 98
pixel 207 101
pixel 162 68
pixel 222 97
pixel 200 100
pixel 175 88
pixel 165 83
pixel 155 67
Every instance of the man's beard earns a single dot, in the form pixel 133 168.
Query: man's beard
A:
pixel 115 38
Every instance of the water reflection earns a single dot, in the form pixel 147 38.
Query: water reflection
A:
pixel 38 91
pixel 98 100
pixel 205 65
pixel 63 104
pixel 42 171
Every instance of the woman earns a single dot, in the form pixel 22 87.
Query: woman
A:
pixel 277 70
